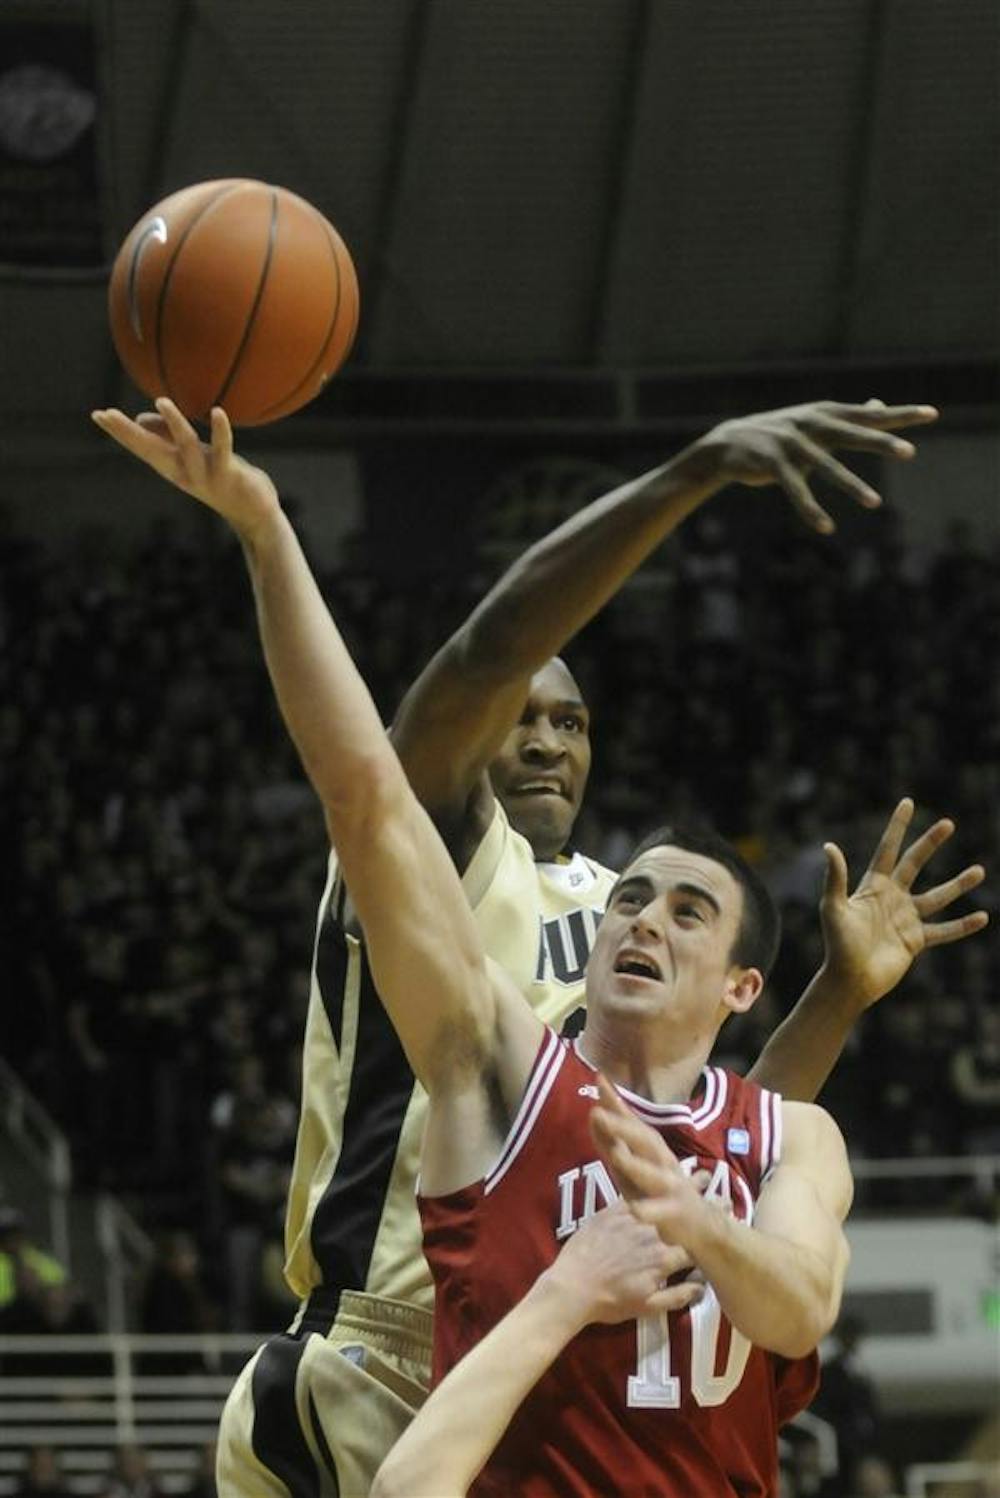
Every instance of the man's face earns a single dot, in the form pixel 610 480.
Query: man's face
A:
pixel 664 946
pixel 541 770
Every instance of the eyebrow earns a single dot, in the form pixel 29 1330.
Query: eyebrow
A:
pixel 700 893
pixel 642 884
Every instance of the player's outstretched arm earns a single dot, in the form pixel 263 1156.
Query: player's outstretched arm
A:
pixel 871 938
pixel 423 944
pixel 454 718
pixel 779 1282
pixel 612 1269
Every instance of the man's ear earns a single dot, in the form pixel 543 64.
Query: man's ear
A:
pixel 743 988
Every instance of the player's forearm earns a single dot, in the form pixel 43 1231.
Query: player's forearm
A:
pixel 325 704
pixel 778 1293
pixel 807 1045
pixel 563 580
pixel 458 1428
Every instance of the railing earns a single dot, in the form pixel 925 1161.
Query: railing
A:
pixel 983 1169
pixel 126 1252
pixel 46 1149
pixel 86 1396
pixel 968 1479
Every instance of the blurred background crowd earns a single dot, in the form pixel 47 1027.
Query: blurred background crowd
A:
pixel 165 856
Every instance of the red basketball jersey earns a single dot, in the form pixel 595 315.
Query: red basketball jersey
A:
pixel 677 1406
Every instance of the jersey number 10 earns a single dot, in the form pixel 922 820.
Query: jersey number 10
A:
pixel 653 1386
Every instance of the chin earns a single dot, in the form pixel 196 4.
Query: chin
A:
pixel 547 828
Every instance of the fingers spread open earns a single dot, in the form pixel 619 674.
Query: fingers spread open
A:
pixel 837 473
pixel 802 497
pixel 920 851
pixel 942 895
pixel 889 844
pixel 179 427
pixel 947 931
pixel 222 434
pixel 835 884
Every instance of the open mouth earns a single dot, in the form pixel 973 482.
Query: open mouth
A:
pixel 633 964
pixel 539 788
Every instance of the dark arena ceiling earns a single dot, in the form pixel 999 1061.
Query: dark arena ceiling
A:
pixel 613 211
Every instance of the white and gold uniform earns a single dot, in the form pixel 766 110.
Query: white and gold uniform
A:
pixel 317 1408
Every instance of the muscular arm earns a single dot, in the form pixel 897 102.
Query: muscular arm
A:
pixel 423 944
pixel 780 1281
pixel 456 715
pixel 610 1270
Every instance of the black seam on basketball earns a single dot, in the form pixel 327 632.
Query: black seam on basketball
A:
pixel 331 329
pixel 272 235
pixel 168 277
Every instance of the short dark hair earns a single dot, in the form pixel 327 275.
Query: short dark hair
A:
pixel 759 936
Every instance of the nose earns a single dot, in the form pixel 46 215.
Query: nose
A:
pixel 541 744
pixel 648 921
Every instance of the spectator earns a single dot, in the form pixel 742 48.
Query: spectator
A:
pixel 176 1302
pixel 57 1310
pixel 43 1476
pixel 254 1170
pixel 203 1483
pixel 25 1269
pixel 846 1398
pixel 873 1477
pixel 130 1477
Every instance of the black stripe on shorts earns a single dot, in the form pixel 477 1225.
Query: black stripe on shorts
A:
pixel 278 1442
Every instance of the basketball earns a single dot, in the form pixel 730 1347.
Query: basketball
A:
pixel 233 293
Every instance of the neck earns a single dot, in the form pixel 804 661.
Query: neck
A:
pixel 631 1062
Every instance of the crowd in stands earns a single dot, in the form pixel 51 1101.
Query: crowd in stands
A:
pixel 164 856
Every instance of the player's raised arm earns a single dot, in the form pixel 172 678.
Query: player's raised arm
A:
pixel 424 947
pixel 779 1282
pixel 455 716
pixel 871 939
pixel 612 1269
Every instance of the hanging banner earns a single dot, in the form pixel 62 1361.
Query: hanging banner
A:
pixel 49 201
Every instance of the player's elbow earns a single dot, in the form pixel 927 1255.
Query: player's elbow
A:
pixel 801 1338
pixel 366 796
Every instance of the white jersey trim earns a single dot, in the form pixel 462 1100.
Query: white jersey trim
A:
pixel 707 1111
pixel 547 1068
pixel 770 1133
pixel 576 876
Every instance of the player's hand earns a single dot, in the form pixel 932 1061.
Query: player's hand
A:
pixel 615 1268
pixel 210 471
pixel 785 447
pixel 646 1171
pixel 873 935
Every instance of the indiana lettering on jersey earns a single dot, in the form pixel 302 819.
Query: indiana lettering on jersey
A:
pixel 588 1188
pixel 564 943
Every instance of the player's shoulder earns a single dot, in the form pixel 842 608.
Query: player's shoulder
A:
pixel 813 1141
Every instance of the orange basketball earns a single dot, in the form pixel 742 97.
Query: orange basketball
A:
pixel 237 294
